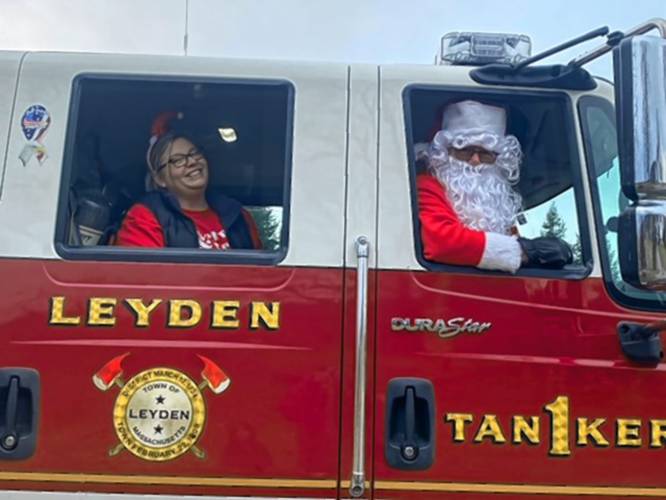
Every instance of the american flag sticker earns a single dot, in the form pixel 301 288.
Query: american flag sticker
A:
pixel 35 123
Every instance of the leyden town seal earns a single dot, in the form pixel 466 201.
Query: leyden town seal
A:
pixel 160 413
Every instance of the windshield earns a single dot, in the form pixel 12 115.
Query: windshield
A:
pixel 597 117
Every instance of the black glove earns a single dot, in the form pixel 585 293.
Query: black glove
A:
pixel 546 251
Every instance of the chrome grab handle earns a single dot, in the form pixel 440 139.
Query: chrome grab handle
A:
pixel 357 487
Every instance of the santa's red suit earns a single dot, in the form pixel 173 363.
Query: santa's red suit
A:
pixel 447 240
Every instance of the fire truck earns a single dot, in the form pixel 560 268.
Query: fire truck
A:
pixel 336 362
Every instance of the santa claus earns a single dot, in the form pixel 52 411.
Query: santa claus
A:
pixel 467 201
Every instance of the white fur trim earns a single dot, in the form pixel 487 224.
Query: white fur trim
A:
pixel 502 253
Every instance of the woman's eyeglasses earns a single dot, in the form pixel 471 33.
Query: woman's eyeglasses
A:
pixel 466 154
pixel 180 160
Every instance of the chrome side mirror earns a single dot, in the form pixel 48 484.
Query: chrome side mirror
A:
pixel 640 104
pixel 642 245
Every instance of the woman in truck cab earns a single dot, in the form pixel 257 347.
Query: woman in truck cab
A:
pixel 179 210
pixel 467 199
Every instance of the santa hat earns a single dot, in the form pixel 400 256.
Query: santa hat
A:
pixel 474 123
pixel 160 127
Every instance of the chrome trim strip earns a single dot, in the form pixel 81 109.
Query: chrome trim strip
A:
pixel 222 482
pixel 521 489
pixel 50 495
pixel 357 487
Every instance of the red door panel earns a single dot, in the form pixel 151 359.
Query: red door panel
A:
pixel 517 402
pixel 272 431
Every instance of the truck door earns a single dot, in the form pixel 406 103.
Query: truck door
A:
pixel 172 370
pixel 489 383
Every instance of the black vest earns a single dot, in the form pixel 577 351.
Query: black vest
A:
pixel 179 230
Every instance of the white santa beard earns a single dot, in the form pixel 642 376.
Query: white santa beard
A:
pixel 480 195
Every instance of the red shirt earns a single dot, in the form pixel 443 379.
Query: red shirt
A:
pixel 445 238
pixel 140 228
pixel 210 232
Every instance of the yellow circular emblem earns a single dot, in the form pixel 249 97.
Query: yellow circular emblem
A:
pixel 159 414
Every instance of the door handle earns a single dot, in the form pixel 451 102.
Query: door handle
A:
pixel 19 412
pixel 410 424
pixel 641 343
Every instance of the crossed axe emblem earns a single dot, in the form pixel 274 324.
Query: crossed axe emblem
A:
pixel 111 374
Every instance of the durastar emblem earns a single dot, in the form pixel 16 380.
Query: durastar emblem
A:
pixel 159 413
pixel 444 328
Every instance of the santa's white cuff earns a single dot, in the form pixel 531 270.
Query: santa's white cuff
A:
pixel 501 253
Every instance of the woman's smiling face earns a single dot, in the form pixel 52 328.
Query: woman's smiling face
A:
pixel 183 169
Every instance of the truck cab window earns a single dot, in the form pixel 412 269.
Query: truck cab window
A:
pixel 600 137
pixel 504 170
pixel 155 164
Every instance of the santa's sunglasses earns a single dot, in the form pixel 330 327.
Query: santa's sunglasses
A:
pixel 466 154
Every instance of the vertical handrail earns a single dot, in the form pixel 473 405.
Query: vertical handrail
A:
pixel 357 487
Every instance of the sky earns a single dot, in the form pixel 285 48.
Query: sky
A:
pixel 372 31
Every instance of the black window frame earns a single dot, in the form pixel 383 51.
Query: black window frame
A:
pixel 571 272
pixel 169 255
pixel 621 298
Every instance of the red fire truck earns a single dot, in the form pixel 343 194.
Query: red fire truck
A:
pixel 336 361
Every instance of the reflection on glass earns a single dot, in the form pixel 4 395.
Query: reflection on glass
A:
pixel 599 134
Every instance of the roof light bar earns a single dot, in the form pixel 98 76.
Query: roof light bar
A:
pixel 476 49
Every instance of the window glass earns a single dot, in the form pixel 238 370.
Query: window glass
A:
pixel 549 173
pixel 167 145
pixel 269 224
pixel 599 134
pixel 555 217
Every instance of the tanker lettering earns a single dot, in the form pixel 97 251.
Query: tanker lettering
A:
pixel 557 428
